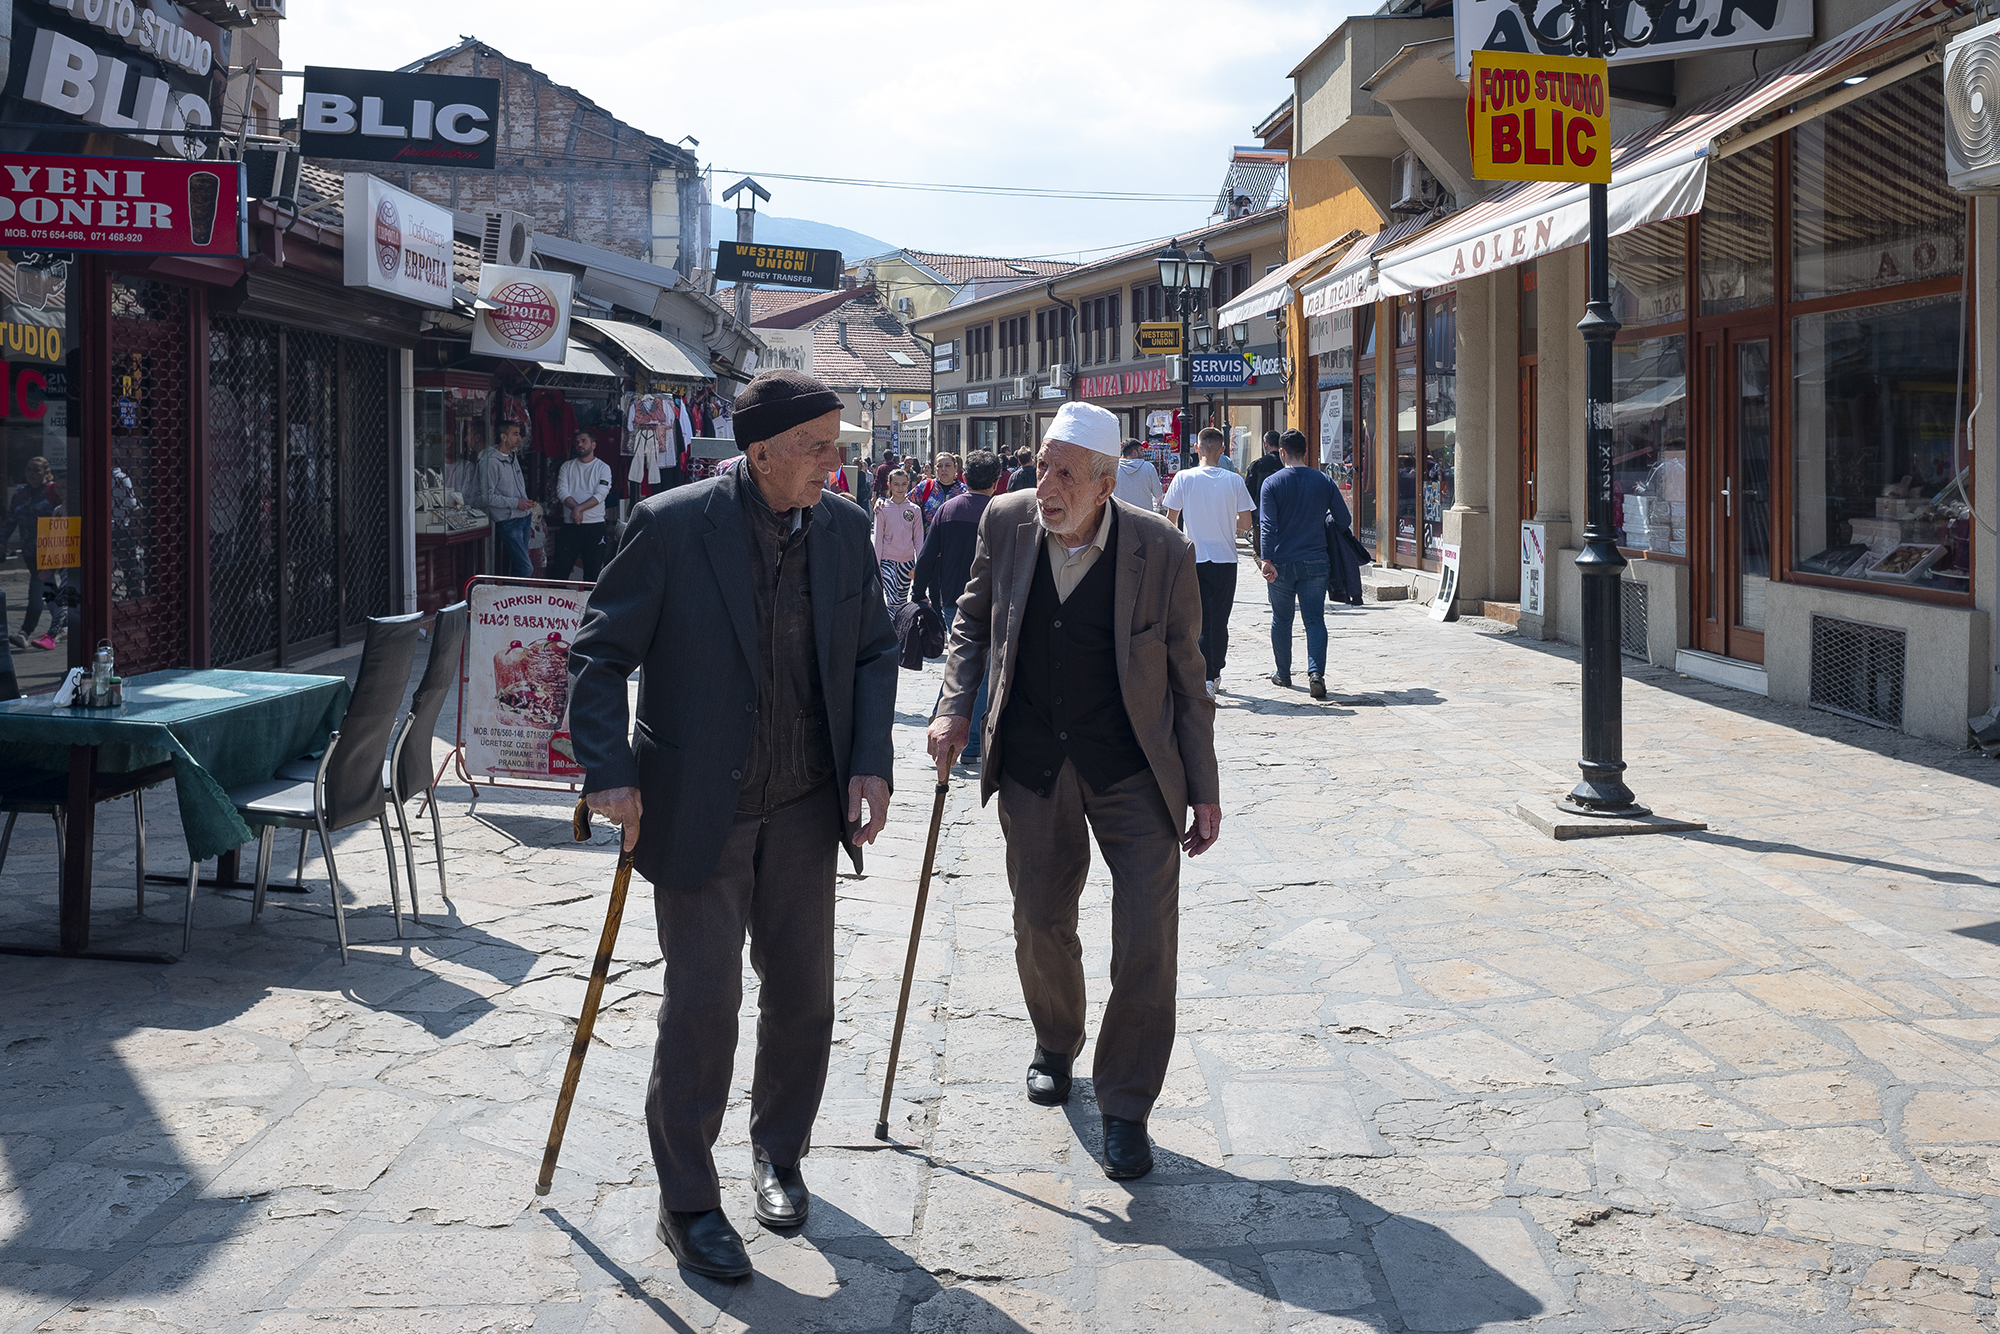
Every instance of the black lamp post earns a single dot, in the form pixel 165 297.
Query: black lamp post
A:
pixel 1185 278
pixel 1592 31
pixel 1239 335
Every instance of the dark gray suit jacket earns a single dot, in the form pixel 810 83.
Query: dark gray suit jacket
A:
pixel 676 601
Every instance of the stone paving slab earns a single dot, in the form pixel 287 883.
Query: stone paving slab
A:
pixel 1436 1071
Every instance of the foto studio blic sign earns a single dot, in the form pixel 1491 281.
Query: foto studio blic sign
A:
pixel 522 313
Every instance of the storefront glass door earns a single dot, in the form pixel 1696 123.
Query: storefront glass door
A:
pixel 1736 518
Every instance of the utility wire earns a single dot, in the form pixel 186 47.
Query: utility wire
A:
pixel 1006 191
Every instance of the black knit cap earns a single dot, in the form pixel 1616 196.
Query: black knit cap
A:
pixel 776 401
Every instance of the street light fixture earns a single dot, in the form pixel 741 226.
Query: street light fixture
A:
pixel 1240 333
pixel 1204 337
pixel 1185 278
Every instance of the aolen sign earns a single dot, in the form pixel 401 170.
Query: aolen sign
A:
pixel 1539 118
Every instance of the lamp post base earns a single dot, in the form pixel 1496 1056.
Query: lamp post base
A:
pixel 1570 805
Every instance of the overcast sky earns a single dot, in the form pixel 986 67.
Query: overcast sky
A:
pixel 1106 95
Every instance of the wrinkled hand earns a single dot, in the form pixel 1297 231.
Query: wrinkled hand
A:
pixel 1207 828
pixel 1270 573
pixel 947 736
pixel 620 805
pixel 877 794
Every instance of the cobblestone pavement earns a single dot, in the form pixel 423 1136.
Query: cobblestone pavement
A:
pixel 1435 1072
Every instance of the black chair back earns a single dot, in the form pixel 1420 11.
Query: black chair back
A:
pixel 413 768
pixel 354 771
pixel 10 686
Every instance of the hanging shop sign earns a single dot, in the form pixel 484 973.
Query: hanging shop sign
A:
pixel 1159 340
pixel 522 313
pixel 367 115
pixel 790 350
pixel 147 69
pixel 1686 28
pixel 777 265
pixel 122 205
pixel 1220 370
pixel 407 249
pixel 514 719
pixel 978 398
pixel 1539 118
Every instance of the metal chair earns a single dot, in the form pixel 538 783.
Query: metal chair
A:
pixel 409 771
pixel 48 794
pixel 347 786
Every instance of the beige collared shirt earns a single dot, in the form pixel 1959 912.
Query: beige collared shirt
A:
pixel 1067 567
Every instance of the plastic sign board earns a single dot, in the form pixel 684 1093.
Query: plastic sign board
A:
pixel 1686 28
pixel 522 313
pixel 366 115
pixel 1160 340
pixel 1539 118
pixel 58 543
pixel 403 248
pixel 777 265
pixel 1219 370
pixel 123 205
pixel 514 706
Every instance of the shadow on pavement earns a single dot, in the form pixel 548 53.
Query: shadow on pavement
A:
pixel 1759 845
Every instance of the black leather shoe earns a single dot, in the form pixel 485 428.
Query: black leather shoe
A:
pixel 1128 1152
pixel 704 1243
pixel 782 1198
pixel 1280 679
pixel 1317 685
pixel 1048 1078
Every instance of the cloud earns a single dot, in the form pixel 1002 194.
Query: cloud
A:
pixel 1115 95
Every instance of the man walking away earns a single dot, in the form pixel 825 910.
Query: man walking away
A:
pixel 1212 505
pixel 945 563
pixel 504 493
pixel 1138 479
pixel 1262 471
pixel 1292 530
pixel 582 486
pixel 1024 475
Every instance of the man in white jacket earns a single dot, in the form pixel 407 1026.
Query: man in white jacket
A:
pixel 1138 480
pixel 583 486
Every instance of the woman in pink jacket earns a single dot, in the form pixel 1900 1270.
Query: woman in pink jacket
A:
pixel 899 535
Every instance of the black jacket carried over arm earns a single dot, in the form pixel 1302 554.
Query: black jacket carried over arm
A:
pixel 677 601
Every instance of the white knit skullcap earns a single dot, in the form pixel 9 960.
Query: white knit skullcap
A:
pixel 1086 426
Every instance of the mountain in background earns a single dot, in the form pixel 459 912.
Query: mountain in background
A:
pixel 800 232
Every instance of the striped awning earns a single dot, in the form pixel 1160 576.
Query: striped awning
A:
pixel 1352 282
pixel 1274 290
pixel 1658 173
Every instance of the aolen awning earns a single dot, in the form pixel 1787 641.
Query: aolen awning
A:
pixel 581 359
pixel 1274 290
pixel 1352 282
pixel 1657 174
pixel 654 350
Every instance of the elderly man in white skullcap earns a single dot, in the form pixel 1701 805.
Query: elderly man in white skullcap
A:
pixel 1084 615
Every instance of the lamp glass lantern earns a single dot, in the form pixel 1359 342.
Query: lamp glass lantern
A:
pixel 1204 337
pixel 1200 265
pixel 1173 266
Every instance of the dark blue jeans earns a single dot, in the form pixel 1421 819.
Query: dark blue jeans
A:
pixel 1301 583
pixel 972 747
pixel 510 548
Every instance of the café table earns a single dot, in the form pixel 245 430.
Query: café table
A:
pixel 219 729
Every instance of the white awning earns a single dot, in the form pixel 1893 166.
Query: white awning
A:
pixel 654 350
pixel 1352 282
pixel 581 360
pixel 1274 290
pixel 1657 174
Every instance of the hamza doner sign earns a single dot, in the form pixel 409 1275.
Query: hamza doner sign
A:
pixel 777 265
pixel 1538 118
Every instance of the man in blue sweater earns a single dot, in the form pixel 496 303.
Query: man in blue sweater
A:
pixel 1292 515
pixel 945 563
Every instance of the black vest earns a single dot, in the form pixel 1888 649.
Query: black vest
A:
pixel 1065 702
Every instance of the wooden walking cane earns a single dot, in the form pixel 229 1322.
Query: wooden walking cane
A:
pixel 910 961
pixel 614 913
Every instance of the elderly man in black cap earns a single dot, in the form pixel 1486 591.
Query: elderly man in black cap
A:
pixel 755 607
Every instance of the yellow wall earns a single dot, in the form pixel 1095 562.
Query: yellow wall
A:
pixel 1326 205
pixel 897 277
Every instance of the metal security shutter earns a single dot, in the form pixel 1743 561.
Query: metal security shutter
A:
pixel 1858 670
pixel 1632 619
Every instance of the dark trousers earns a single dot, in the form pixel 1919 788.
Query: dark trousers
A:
pixel 1218 595
pixel 775 880
pixel 1048 856
pixel 577 542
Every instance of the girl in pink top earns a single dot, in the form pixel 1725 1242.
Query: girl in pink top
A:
pixel 899 535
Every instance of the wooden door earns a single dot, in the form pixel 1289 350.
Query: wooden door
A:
pixel 1732 523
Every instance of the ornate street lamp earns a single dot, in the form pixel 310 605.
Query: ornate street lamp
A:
pixel 1185 278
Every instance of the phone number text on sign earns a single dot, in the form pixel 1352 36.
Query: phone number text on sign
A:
pixel 1538 118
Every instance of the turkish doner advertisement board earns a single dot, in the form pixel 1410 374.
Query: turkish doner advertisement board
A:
pixel 1539 118
pixel 408 243
pixel 523 314
pixel 516 688
pixel 777 265
pixel 123 205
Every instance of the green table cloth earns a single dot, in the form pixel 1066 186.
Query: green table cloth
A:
pixel 222 729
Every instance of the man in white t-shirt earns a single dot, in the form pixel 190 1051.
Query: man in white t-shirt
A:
pixel 582 486
pixel 1212 505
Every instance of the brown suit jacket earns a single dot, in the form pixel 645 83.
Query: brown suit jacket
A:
pixel 1157 636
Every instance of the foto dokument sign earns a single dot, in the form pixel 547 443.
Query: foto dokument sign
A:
pixel 777 265
pixel 58 543
pixel 122 205
pixel 1219 370
pixel 522 313
pixel 1160 340
pixel 408 243
pixel 1686 28
pixel 1539 118
pixel 368 115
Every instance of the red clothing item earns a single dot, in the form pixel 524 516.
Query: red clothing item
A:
pixel 554 422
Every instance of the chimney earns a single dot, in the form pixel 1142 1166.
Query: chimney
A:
pixel 840 331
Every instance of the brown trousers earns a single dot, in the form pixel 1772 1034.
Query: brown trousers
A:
pixel 1048 856
pixel 775 880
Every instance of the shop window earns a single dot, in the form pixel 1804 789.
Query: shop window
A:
pixel 1870 204
pixel 1649 470
pixel 1440 361
pixel 948 437
pixel 979 353
pixel 1406 321
pixel 1649 275
pixel 1880 467
pixel 1737 231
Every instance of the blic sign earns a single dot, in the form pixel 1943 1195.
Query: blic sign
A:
pixel 367 115
pixel 65 75
pixel 122 205
pixel 1538 118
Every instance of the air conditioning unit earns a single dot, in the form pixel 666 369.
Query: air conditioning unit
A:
pixel 904 305
pixel 509 239
pixel 272 9
pixel 1972 110
pixel 1024 386
pixel 1059 375
pixel 1173 370
pixel 271 169
pixel 1412 188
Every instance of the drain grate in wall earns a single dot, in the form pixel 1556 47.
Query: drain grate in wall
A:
pixel 1632 619
pixel 1857 670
